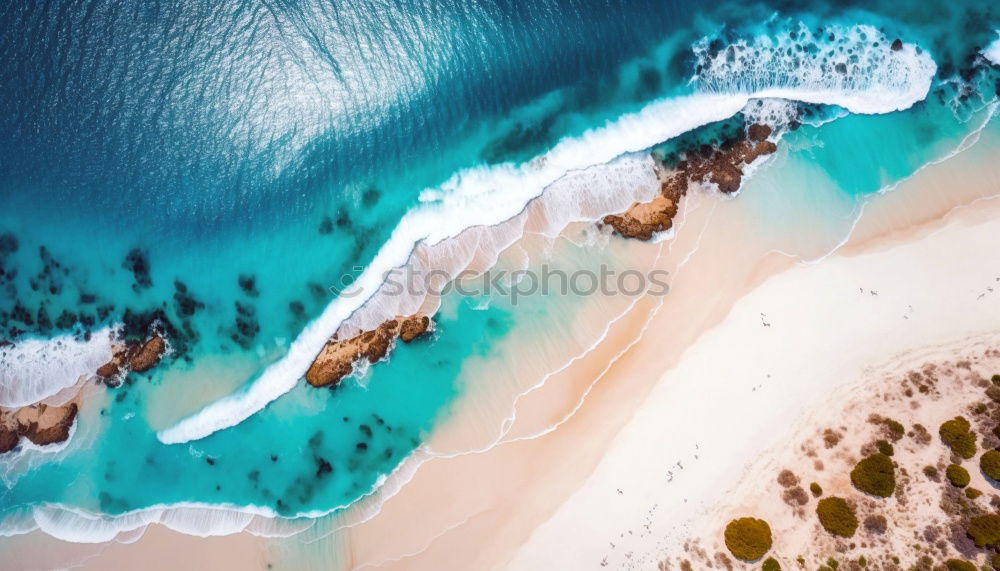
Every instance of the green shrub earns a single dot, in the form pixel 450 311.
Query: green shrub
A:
pixel 884 447
pixel 989 463
pixel 995 379
pixel 972 493
pixel 957 475
pixel 994 393
pixel 995 561
pixel 957 435
pixel 996 431
pixel 875 475
pixel 771 564
pixel 896 430
pixel 748 538
pixel 837 516
pixel 959 565
pixel 985 530
pixel 862 562
pixel 815 489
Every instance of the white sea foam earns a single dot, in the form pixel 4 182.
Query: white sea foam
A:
pixel 854 67
pixel 992 51
pixel 35 369
pixel 880 81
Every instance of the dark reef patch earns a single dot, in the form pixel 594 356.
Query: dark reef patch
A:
pixel 44 322
pixel 248 284
pixel 137 262
pixel 317 291
pixel 247 326
pixel 370 197
pixel 185 304
pixel 8 244
pixel 66 320
pixel 325 226
pixel 650 82
pixel 323 467
pixel 520 141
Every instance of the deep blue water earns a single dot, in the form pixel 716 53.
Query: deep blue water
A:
pixel 278 144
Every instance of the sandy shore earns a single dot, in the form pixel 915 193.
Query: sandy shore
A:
pixel 646 443
pixel 650 406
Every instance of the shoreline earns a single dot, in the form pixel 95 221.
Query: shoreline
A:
pixel 693 224
pixel 906 79
pixel 873 234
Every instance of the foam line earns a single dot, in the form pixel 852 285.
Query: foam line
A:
pixel 883 80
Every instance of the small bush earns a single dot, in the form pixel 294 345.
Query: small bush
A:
pixel 995 379
pixel 862 562
pixel 748 538
pixel 989 463
pixel 884 447
pixel 837 516
pixel 995 561
pixel 876 524
pixel 932 473
pixel 815 489
pixel 972 493
pixel 957 475
pixel 994 393
pixel 959 565
pixel 787 479
pixel 771 564
pixel 996 431
pixel 957 435
pixel 875 475
pixel 985 530
pixel 896 430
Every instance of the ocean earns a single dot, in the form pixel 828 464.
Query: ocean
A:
pixel 227 169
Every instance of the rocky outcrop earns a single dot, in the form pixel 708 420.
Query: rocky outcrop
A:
pixel 147 355
pixel 338 357
pixel 722 166
pixel 133 356
pixel 40 423
pixel 643 219
pixel 413 327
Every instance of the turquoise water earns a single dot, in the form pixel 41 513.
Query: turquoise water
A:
pixel 313 450
pixel 251 156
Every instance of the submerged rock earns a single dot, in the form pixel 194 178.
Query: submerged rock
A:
pixel 248 284
pixel 137 262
